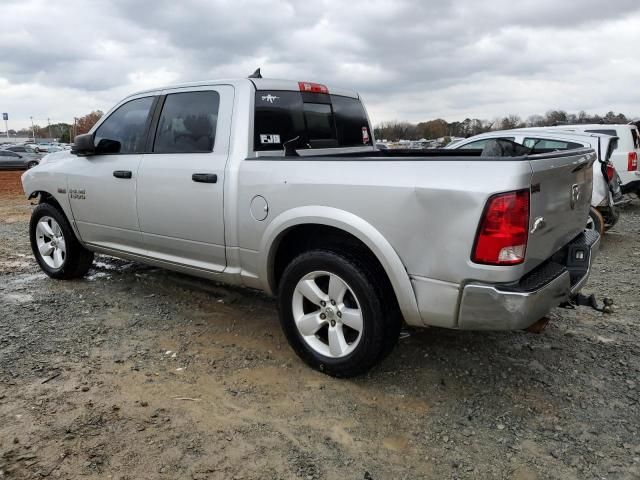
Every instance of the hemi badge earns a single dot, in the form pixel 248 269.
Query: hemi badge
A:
pixel 62 190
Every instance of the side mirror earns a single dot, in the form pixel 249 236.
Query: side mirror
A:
pixel 83 145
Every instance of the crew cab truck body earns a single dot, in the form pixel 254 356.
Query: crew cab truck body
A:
pixel 276 185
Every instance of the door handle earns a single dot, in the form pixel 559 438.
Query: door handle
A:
pixel 204 177
pixel 122 174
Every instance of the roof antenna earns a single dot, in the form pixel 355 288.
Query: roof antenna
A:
pixel 255 74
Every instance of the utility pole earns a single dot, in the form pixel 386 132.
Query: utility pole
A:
pixel 33 131
pixel 49 127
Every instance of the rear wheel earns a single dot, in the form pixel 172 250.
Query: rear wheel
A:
pixel 595 221
pixel 55 246
pixel 333 313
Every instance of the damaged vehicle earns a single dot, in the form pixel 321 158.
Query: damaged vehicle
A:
pixel 606 194
pixel 277 185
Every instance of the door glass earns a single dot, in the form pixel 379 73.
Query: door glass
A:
pixel 545 143
pixel 479 144
pixel 127 126
pixel 188 123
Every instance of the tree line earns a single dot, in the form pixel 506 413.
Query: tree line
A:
pixel 64 132
pixel 439 128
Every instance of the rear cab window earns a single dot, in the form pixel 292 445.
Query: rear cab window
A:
pixel 319 120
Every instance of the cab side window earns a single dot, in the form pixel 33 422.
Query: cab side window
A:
pixel 545 143
pixel 188 123
pixel 479 144
pixel 125 131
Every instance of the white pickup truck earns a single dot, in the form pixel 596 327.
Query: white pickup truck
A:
pixel 277 185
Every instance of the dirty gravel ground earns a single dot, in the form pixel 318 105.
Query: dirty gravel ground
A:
pixel 135 372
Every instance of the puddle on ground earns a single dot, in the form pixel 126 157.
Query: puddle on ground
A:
pixel 97 275
pixel 16 297
pixel 24 279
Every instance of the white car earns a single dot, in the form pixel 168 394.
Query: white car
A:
pixel 625 153
pixel 606 192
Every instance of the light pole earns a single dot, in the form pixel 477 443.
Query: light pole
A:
pixel 49 127
pixel 5 117
pixel 33 131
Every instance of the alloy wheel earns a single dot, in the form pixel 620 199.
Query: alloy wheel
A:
pixel 51 243
pixel 327 314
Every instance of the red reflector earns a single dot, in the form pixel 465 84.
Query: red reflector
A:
pixel 504 230
pixel 632 164
pixel 312 87
pixel 611 172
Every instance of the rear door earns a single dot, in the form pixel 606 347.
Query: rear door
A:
pixel 181 183
pixel 561 188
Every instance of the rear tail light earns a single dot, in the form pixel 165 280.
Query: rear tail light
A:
pixel 632 164
pixel 312 87
pixel 611 172
pixel 503 232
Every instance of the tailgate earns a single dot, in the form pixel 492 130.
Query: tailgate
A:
pixel 561 187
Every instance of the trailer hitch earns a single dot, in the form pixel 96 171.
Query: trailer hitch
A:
pixel 579 299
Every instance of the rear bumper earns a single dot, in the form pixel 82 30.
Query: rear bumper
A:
pixel 518 305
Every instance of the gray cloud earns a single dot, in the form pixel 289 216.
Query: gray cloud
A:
pixel 411 60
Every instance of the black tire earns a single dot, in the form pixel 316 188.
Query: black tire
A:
pixel 596 222
pixel 32 164
pixel 381 323
pixel 77 260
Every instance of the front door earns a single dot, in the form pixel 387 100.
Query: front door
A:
pixel 181 183
pixel 102 188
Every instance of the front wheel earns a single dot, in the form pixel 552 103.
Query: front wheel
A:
pixel 55 246
pixel 333 313
pixel 32 164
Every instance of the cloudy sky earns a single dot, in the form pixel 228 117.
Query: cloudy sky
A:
pixel 412 60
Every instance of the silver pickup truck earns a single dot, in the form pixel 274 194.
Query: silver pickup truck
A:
pixel 277 185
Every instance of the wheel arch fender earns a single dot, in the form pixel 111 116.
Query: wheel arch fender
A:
pixel 349 223
pixel 60 201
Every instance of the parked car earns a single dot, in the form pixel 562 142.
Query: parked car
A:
pixel 606 189
pixel 17 161
pixel 625 154
pixel 20 149
pixel 277 185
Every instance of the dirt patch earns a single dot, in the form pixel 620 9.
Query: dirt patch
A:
pixel 13 205
pixel 136 372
